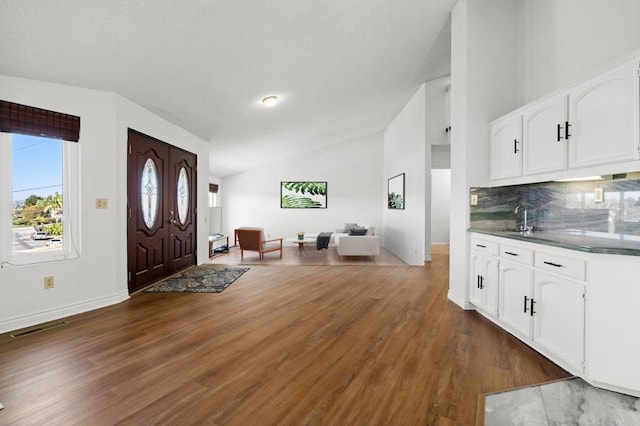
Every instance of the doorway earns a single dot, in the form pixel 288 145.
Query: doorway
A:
pixel 161 225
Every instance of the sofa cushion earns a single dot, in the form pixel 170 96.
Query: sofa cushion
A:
pixel 348 226
pixel 357 231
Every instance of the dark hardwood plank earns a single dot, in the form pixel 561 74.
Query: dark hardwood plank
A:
pixel 285 344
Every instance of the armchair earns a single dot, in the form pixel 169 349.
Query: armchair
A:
pixel 252 239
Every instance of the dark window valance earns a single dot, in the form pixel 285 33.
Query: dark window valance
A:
pixel 28 120
pixel 213 187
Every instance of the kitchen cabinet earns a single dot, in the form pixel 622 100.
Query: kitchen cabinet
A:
pixel 557 310
pixel 506 148
pixel 603 113
pixel 484 276
pixel 578 130
pixel 577 309
pixel 545 149
pixel 515 298
pixel 542 307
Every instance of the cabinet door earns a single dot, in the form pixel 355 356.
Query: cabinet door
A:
pixel 515 296
pixel 474 280
pixel 544 143
pixel 506 148
pixel 484 282
pixel 603 114
pixel 490 285
pixel 559 317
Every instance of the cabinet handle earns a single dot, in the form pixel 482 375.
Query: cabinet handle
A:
pixel 480 245
pixel 515 146
pixel 511 254
pixel 531 311
pixel 566 130
pixel 481 282
pixel 559 129
pixel 525 304
pixel 552 264
pixel 478 281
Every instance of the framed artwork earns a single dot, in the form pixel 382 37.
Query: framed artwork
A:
pixel 303 195
pixel 395 195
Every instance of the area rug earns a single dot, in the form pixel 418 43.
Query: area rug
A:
pixel 199 280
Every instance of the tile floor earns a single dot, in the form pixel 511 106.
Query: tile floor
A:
pixel 566 402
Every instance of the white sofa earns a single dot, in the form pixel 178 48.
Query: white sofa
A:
pixel 356 245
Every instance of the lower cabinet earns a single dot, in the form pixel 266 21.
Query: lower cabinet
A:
pixel 544 308
pixel 557 309
pixel 515 298
pixel 483 278
pixel 484 282
pixel 580 310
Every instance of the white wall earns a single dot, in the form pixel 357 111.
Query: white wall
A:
pixel 483 86
pixel 99 276
pixel 406 231
pixel 561 41
pixel 440 205
pixel 354 191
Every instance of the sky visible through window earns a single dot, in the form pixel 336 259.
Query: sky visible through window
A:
pixel 37 166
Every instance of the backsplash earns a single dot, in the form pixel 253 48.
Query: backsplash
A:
pixel 562 205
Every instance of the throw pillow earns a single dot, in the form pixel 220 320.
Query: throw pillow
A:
pixel 358 231
pixel 348 226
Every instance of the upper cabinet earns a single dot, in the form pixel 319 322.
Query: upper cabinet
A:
pixel 506 148
pixel 603 113
pixel 577 130
pixel 545 149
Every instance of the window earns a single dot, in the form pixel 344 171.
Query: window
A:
pixel 213 195
pixel 38 185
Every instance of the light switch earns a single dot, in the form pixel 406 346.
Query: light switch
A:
pixel 474 199
pixel 101 203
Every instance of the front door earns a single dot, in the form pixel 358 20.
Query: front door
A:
pixel 161 197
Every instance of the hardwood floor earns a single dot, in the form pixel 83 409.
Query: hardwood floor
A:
pixel 316 345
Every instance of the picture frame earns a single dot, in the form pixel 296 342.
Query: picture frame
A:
pixel 303 195
pixel 395 192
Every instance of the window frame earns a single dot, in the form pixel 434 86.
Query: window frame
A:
pixel 70 192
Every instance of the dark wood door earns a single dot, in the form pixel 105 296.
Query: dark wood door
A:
pixel 162 198
pixel 182 224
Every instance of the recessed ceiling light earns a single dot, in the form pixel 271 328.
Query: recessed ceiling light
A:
pixel 270 100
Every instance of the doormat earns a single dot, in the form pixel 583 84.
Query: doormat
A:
pixel 199 279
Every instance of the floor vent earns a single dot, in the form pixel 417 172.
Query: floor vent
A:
pixel 37 328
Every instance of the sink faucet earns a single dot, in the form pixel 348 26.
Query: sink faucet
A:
pixel 525 228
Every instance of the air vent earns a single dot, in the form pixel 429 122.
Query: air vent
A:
pixel 38 328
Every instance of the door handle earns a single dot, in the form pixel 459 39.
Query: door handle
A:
pixel 525 304
pixel 531 310
pixel 515 146
pixel 559 129
pixel 566 130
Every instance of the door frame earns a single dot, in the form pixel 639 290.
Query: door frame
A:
pixel 161 263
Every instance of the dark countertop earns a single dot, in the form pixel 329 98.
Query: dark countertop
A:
pixel 585 241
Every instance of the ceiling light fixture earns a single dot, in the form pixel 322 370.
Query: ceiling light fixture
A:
pixel 270 100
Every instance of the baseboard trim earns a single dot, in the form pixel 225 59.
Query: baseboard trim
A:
pixel 467 306
pixel 30 320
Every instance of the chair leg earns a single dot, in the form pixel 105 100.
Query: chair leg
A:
pixel 241 254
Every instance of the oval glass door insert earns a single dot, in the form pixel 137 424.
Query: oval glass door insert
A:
pixel 149 193
pixel 183 195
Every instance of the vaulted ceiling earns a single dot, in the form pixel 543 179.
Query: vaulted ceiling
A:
pixel 342 69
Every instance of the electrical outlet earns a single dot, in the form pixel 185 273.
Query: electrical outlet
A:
pixel 101 203
pixel 474 199
pixel 598 195
pixel 48 282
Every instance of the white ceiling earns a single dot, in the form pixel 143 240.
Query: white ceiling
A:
pixel 342 68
